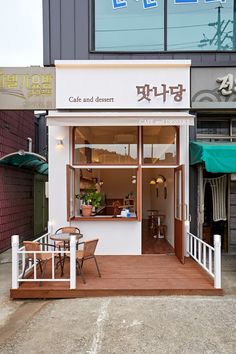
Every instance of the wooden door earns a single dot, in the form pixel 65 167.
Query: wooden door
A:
pixel 70 190
pixel 179 213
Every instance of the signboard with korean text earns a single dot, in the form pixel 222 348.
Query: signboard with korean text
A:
pixel 26 88
pixel 123 84
pixel 213 87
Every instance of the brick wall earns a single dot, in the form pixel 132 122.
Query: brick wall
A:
pixel 17 205
pixel 16 186
pixel 15 128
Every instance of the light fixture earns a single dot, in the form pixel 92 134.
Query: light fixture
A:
pixel 153 181
pixel 160 179
pixel 60 142
pixel 134 179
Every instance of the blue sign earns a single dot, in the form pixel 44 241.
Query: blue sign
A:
pixel 117 4
pixel 196 1
pixel 186 1
pixel 147 4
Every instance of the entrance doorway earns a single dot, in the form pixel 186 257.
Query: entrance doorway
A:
pixel 158 211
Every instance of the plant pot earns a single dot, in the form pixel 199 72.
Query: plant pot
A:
pixel 86 210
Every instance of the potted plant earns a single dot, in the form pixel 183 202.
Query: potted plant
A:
pixel 91 199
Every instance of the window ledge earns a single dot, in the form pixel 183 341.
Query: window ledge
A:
pixel 103 218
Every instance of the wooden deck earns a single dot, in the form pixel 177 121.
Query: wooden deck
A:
pixel 127 275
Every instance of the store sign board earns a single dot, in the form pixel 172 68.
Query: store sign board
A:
pixel 213 87
pixel 27 88
pixel 117 85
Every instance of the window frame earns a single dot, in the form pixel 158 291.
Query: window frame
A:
pixel 101 164
pixel 92 37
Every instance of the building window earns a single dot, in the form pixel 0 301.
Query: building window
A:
pixel 160 145
pixel 117 189
pixel 106 145
pixel 213 127
pixel 202 25
pixel 157 25
pixel 128 28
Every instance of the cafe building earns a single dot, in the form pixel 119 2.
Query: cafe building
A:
pixel 124 149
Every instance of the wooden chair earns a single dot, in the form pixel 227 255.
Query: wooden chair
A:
pixel 41 258
pixel 86 253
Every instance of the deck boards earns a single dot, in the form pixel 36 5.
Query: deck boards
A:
pixel 127 275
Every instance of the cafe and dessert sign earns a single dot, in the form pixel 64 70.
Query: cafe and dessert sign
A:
pixel 123 84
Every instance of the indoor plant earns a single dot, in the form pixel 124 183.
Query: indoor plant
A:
pixel 90 198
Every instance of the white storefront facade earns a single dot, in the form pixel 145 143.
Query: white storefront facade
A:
pixel 120 125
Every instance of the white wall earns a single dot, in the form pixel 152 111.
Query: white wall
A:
pixel 115 237
pixel 58 158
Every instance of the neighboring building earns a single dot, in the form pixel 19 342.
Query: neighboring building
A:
pixel 21 190
pixel 128 32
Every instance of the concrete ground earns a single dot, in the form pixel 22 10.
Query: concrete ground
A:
pixel 120 324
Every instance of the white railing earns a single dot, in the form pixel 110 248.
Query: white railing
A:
pixel 207 256
pixel 19 257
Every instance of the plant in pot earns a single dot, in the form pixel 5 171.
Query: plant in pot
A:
pixel 91 199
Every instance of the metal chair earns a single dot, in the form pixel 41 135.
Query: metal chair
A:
pixel 86 253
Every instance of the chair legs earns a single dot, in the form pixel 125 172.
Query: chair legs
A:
pixel 80 266
pixel 97 266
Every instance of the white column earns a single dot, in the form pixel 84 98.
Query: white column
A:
pixel 217 261
pixel 15 261
pixel 73 262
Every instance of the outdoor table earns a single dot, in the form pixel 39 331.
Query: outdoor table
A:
pixel 65 237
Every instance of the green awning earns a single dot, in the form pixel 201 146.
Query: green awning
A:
pixel 217 157
pixel 27 160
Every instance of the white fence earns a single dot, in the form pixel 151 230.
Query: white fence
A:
pixel 21 267
pixel 207 256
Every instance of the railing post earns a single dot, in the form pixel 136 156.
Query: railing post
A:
pixel 50 227
pixel 15 261
pixel 217 261
pixel 73 262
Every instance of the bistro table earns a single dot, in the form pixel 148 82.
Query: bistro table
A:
pixel 65 237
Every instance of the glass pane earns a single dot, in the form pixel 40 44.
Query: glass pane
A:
pixel 234 127
pixel 105 145
pixel 107 190
pixel 200 25
pixel 128 25
pixel 213 127
pixel 160 145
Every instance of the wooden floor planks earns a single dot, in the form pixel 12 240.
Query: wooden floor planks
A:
pixel 127 275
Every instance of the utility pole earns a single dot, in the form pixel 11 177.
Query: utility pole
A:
pixel 221 34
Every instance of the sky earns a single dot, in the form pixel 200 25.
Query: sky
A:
pixel 21 33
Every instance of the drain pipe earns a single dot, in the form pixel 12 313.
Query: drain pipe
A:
pixel 29 144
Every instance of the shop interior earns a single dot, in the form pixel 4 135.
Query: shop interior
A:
pixel 116 188
pixel 158 210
